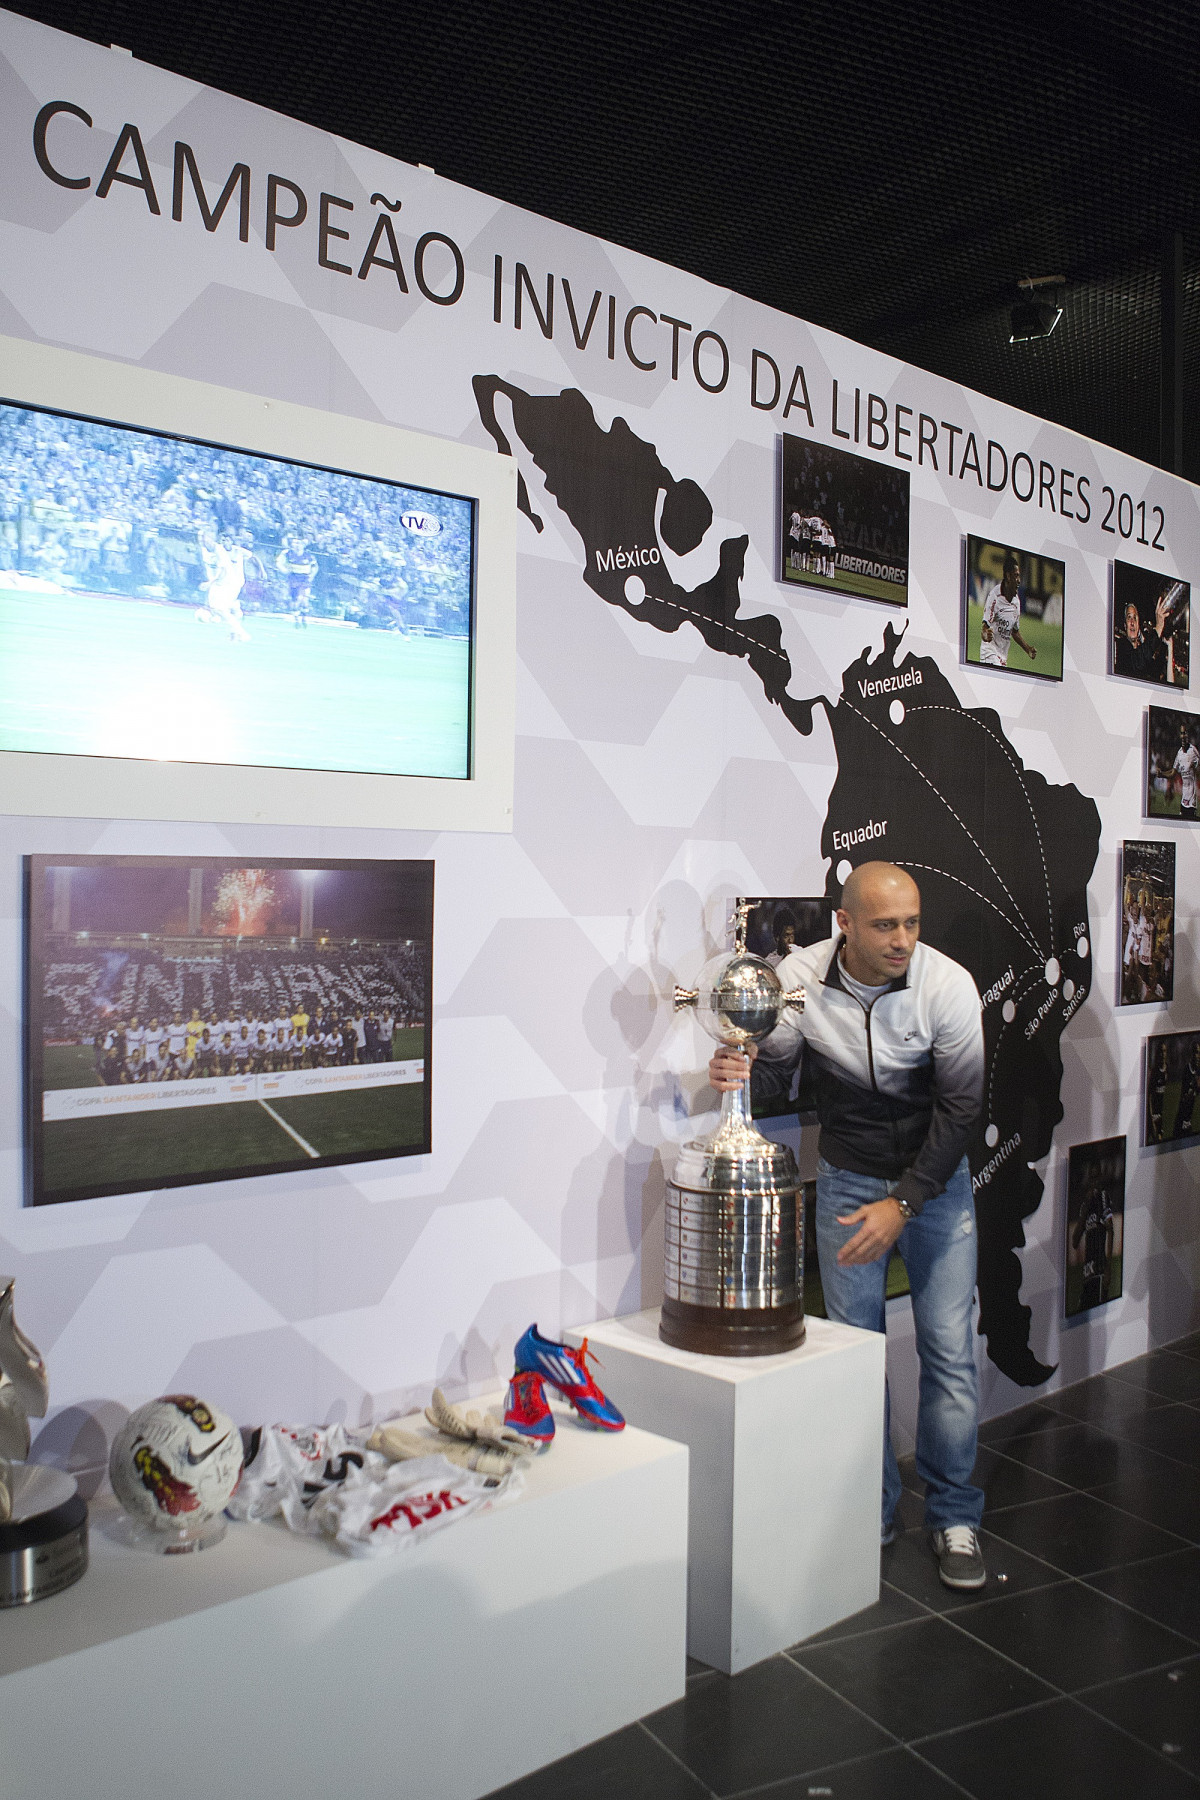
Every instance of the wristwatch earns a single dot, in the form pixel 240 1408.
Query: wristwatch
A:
pixel 906 1211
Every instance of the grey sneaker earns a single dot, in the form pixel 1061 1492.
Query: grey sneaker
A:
pixel 960 1560
pixel 889 1533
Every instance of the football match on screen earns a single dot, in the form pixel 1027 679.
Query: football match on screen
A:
pixel 168 599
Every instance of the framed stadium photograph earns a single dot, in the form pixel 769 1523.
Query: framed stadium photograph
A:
pixel 774 927
pixel 218 607
pixel 843 522
pixel 1147 923
pixel 1172 764
pixel 1151 626
pixel 1013 610
pixel 203 1018
pixel 1172 1085
pixel 1095 1225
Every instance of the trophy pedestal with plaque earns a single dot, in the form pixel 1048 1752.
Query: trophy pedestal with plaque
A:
pixel 733 1281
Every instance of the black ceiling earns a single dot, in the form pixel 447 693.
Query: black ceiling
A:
pixel 885 170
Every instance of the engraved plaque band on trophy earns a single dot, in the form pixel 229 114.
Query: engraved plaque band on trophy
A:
pixel 733 1281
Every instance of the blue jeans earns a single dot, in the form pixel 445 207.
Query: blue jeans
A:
pixel 938 1248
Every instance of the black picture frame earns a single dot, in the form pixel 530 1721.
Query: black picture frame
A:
pixel 112 941
pixel 810 919
pixel 1170 735
pixel 1172 1088
pixel 843 522
pixel 1094 1240
pixel 1041 595
pixel 1147 914
pixel 1159 659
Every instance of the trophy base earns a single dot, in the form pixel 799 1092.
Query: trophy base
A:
pixel 731 1331
pixel 44 1543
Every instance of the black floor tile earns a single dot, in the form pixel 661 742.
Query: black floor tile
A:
pixel 1162 1709
pixel 1083 1456
pixel 1173 1431
pixel 696 1669
pixel 1167 1589
pixel 1079 1534
pixel 910 1565
pixel 1162 1372
pixel 626 1766
pixel 921 1678
pixel 891 1608
pixel 1026 1421
pixel 888 1775
pixel 1056 1752
pixel 1101 1400
pixel 1071 1635
pixel 1173 1502
pixel 1009 1482
pixel 1189 1347
pixel 769 1723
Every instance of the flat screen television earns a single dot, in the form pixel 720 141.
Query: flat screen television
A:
pixel 287 603
pixel 198 1018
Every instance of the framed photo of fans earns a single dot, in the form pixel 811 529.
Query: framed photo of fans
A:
pixel 774 928
pixel 1172 1087
pixel 1147 923
pixel 1013 605
pixel 204 1018
pixel 1095 1225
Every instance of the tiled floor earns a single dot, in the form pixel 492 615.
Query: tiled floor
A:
pixel 1075 1675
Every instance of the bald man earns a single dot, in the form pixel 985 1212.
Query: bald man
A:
pixel 892 1036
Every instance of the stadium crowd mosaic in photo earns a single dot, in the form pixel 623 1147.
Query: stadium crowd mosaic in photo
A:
pixel 200 1019
pixel 767 580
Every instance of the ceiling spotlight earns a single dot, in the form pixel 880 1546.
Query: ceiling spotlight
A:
pixel 1032 317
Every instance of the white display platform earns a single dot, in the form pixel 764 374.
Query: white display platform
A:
pixel 786 1472
pixel 274 1666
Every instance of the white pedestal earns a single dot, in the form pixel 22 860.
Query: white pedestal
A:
pixel 275 1665
pixel 786 1472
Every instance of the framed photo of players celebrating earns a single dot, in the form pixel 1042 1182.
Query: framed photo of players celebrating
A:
pixel 843 522
pixel 1172 1087
pixel 1172 764
pixel 775 927
pixel 1095 1225
pixel 1013 603
pixel 1147 923
pixel 1151 626
pixel 201 1018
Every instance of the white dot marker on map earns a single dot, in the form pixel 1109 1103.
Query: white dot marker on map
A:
pixel 1081 946
pixel 635 590
pixel 1068 990
pixel 991 1136
pixel 896 712
pixel 1008 1012
pixel 1053 971
pixel 844 869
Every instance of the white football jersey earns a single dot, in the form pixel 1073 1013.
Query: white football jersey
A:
pixel 1003 616
pixel 1186 762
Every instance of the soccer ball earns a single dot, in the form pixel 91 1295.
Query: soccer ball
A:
pixel 175 1462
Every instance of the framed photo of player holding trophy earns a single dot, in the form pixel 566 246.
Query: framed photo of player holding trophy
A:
pixel 1147 923
pixel 202 1018
pixel 1151 626
pixel 1172 764
pixel 1093 1251
pixel 1013 604
pixel 1172 1087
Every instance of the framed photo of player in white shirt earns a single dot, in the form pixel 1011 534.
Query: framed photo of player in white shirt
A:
pixel 1013 603
pixel 1147 923
pixel 1094 1243
pixel 1172 764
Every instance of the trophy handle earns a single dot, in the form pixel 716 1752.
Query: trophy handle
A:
pixel 793 997
pixel 685 997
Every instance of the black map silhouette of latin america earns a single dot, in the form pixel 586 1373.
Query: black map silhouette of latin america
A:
pixel 1002 858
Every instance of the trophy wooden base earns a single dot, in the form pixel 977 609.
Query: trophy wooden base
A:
pixel 731 1331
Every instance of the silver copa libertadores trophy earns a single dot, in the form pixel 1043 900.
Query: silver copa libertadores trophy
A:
pixel 43 1517
pixel 734 1282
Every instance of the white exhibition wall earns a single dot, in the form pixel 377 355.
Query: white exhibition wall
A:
pixel 654 778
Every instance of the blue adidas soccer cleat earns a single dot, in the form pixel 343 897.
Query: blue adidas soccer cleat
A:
pixel 526 1411
pixel 566 1369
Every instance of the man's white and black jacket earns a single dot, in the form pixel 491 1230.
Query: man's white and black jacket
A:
pixel 899 1084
